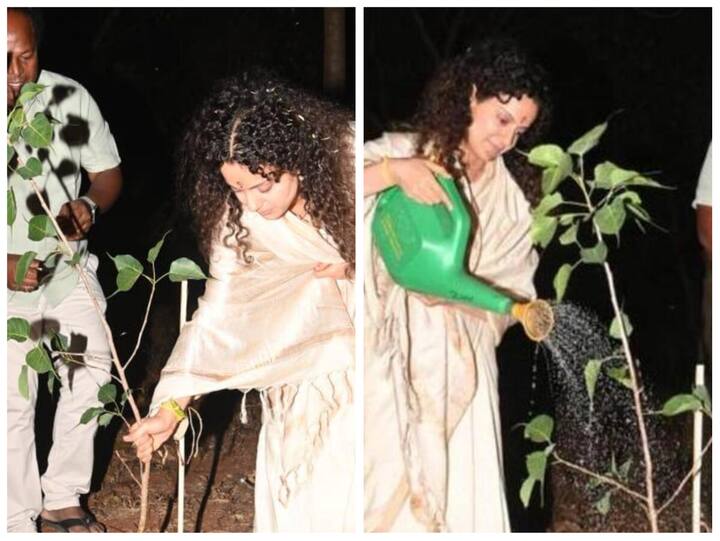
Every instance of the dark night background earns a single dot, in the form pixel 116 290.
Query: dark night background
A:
pixel 655 66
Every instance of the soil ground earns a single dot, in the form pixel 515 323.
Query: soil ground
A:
pixel 219 481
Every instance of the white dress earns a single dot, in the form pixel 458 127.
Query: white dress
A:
pixel 433 449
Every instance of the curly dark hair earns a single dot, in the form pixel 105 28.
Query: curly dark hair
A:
pixel 496 66
pixel 260 121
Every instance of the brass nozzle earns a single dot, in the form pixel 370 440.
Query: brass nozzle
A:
pixel 536 317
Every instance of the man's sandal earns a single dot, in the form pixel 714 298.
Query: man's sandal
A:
pixel 63 526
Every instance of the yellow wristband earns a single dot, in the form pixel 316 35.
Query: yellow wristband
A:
pixel 173 406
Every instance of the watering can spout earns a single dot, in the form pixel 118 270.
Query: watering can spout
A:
pixel 536 317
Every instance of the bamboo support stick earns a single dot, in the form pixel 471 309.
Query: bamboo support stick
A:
pixel 181 441
pixel 697 451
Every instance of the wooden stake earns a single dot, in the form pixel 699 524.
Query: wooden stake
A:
pixel 181 441
pixel 697 453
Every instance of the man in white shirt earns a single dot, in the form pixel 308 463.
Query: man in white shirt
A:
pixel 51 297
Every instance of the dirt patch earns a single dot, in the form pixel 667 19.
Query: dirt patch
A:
pixel 219 481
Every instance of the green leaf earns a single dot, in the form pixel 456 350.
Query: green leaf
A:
pixel 630 197
pixel 23 388
pixel 185 269
pixel 18 329
pixel 547 156
pixel 536 464
pixel 105 419
pixel 90 414
pixel 570 235
pixel 556 162
pixel 10 153
pixel 129 270
pixel 609 176
pixel 592 371
pixel 615 330
pixel 552 177
pixel 570 217
pixel 76 257
pixel 561 280
pixel 51 383
pixel 539 429
pixel 38 133
pixel 639 212
pixel 603 504
pixel 543 229
pixel 596 254
pixel 11 207
pixel 624 469
pixel 38 359
pixel 548 203
pixel 588 141
pixel 611 218
pixel 621 375
pixel 155 250
pixel 23 265
pixel 32 168
pixel 526 491
pixel 107 393
pixel 593 483
pixel 681 403
pixel 40 227
pixel 16 119
pixel 701 392
pixel 59 342
pixel 640 180
pixel 28 92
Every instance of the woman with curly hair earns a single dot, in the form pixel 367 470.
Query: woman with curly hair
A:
pixel 433 452
pixel 266 173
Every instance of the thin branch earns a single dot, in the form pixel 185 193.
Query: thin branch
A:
pixel 693 471
pixel 111 343
pixel 145 320
pixel 636 391
pixel 600 477
pixel 124 463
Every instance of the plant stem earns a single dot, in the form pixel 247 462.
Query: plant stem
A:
pixel 649 483
pixel 695 468
pixel 145 320
pixel 600 477
pixel 111 343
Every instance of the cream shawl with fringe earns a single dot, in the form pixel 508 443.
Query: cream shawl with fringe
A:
pixel 271 325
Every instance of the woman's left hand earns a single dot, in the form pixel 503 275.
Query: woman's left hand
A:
pixel 338 271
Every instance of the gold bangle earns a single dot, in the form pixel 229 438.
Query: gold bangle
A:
pixel 387 173
pixel 172 406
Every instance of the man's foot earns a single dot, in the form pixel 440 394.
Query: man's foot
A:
pixel 69 519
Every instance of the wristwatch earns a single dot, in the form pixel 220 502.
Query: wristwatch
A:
pixel 92 205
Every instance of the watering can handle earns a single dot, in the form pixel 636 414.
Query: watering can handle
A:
pixel 458 212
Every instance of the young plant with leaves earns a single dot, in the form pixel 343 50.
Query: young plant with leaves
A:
pixel 604 204
pixel 37 133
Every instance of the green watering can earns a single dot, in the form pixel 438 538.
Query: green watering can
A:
pixel 424 247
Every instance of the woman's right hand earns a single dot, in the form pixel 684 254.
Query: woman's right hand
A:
pixel 149 434
pixel 416 177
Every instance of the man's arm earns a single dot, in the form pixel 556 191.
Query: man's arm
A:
pixel 704 229
pixel 105 188
pixel 75 217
